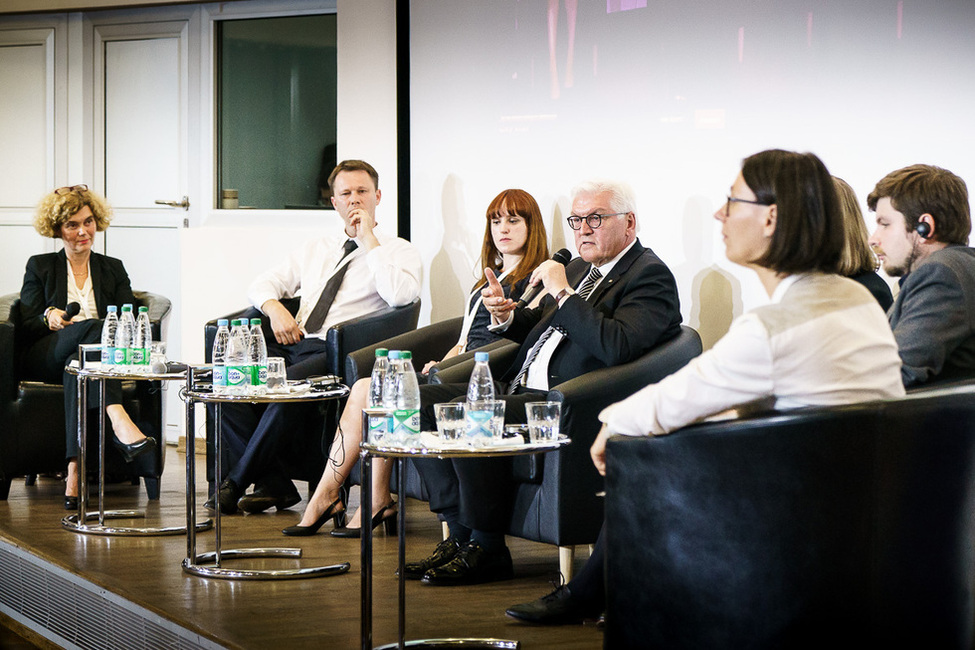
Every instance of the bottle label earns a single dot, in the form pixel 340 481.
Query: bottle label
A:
pixel 121 356
pixel 237 376
pixel 258 375
pixel 219 376
pixel 139 356
pixel 108 356
pixel 406 423
pixel 377 428
pixel 479 423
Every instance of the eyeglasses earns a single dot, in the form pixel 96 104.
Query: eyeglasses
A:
pixel 731 199
pixel 594 220
pixel 61 191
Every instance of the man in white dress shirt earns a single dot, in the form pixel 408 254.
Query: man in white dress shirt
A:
pixel 340 276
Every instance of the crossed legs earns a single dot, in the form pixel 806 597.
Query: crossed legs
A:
pixel 342 456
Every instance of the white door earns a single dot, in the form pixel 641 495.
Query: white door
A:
pixel 142 78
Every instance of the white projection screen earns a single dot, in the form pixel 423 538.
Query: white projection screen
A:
pixel 670 95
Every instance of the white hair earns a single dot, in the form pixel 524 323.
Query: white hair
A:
pixel 621 195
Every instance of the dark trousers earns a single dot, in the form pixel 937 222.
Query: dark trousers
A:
pixel 476 492
pixel 253 433
pixel 45 361
pixel 589 584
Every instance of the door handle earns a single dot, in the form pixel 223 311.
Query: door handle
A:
pixel 183 203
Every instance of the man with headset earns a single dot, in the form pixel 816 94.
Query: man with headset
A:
pixel 923 223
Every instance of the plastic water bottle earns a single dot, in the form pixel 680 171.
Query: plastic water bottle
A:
pixel 480 390
pixel 109 328
pixel 142 344
pixel 257 356
pixel 238 369
pixel 406 417
pixel 219 356
pixel 123 339
pixel 390 389
pixel 377 425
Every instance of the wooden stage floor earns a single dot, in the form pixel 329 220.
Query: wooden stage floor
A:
pixel 140 579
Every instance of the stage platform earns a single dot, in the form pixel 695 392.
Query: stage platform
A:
pixel 86 591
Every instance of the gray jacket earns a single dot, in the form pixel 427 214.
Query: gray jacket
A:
pixel 933 317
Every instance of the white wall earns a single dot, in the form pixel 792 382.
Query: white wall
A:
pixel 671 97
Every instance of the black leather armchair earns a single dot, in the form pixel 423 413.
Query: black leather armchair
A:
pixel 829 527
pixel 32 413
pixel 308 460
pixel 556 500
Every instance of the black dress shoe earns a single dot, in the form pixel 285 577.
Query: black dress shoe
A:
pixel 386 517
pixel 472 565
pixel 70 503
pixel 129 452
pixel 557 608
pixel 227 496
pixel 444 553
pixel 261 499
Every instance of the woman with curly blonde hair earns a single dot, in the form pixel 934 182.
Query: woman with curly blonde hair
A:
pixel 52 281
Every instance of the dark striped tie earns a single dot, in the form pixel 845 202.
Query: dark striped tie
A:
pixel 583 293
pixel 317 316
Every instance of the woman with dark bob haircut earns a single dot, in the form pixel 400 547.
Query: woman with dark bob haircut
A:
pixel 821 340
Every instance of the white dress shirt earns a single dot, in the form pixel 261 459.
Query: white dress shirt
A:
pixel 389 274
pixel 823 340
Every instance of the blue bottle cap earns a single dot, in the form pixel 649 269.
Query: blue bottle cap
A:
pixel 223 322
pixel 112 308
pixel 480 356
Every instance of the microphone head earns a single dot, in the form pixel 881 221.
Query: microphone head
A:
pixel 563 256
pixel 72 310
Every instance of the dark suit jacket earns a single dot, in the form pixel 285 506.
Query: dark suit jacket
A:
pixel 633 308
pixel 46 285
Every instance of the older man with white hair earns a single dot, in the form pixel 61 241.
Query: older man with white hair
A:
pixel 608 306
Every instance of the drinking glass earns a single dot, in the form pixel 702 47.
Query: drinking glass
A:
pixel 450 421
pixel 157 357
pixel 276 376
pixel 484 422
pixel 543 420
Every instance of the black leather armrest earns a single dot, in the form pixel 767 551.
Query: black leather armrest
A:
pixel 466 356
pixel 426 343
pixel 502 356
pixel 348 336
pixel 8 362
pixel 159 308
pixel 600 388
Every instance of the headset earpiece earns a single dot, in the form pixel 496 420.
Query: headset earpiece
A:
pixel 923 229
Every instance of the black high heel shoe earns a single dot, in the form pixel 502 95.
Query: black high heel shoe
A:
pixel 386 517
pixel 330 513
pixel 70 503
pixel 129 452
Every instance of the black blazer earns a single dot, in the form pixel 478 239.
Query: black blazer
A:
pixel 634 308
pixel 46 285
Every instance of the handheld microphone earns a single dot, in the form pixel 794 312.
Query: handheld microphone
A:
pixel 72 310
pixel 562 257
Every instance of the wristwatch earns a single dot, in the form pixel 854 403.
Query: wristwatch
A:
pixel 568 291
pixel 47 312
